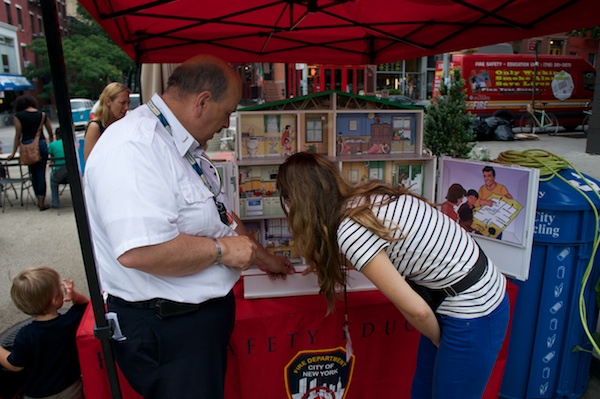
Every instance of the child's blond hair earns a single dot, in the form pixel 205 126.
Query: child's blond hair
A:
pixel 34 289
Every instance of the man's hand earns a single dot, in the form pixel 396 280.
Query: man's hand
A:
pixel 486 202
pixel 276 266
pixel 239 252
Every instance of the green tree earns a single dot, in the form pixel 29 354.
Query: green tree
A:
pixel 591 33
pixel 447 123
pixel 92 60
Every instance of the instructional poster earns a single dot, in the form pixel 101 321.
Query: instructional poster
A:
pixel 496 204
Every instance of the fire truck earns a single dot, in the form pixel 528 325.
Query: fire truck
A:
pixel 504 84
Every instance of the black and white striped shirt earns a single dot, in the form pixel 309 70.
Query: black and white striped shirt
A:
pixel 435 252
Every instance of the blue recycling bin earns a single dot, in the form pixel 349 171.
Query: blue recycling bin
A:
pixel 546 323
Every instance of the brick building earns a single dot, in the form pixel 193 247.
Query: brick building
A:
pixel 20 23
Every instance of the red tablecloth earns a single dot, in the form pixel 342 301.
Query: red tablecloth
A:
pixel 287 346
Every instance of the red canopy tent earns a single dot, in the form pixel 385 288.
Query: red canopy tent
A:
pixel 323 31
pixel 328 31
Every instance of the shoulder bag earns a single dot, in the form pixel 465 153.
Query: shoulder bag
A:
pixel 29 151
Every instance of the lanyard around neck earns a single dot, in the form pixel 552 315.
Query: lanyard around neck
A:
pixel 190 158
pixel 220 206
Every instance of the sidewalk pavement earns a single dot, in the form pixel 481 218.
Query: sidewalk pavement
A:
pixel 30 237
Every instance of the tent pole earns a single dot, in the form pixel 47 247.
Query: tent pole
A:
pixel 56 58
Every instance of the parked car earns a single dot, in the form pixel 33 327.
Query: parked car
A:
pixel 134 102
pixel 80 111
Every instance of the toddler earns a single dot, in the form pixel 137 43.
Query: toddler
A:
pixel 46 347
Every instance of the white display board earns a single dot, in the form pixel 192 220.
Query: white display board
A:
pixel 504 227
pixel 259 285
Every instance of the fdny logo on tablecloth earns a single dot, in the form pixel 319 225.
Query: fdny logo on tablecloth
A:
pixel 322 374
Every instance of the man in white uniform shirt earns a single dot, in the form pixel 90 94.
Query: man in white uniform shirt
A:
pixel 167 253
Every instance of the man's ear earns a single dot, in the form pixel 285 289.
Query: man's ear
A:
pixel 201 101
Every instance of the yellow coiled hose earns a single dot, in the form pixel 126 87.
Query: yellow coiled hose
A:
pixel 549 165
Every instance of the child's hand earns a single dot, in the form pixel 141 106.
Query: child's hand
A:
pixel 70 293
pixel 68 286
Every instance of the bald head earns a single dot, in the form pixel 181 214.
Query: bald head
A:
pixel 202 93
pixel 202 73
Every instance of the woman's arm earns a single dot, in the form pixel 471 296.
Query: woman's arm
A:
pixel 92 134
pixel 48 125
pixel 388 280
pixel 18 130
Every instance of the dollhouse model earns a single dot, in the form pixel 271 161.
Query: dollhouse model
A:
pixel 370 139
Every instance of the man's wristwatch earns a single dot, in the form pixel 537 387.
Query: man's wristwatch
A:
pixel 219 251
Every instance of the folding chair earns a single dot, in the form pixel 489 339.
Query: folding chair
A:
pixel 20 181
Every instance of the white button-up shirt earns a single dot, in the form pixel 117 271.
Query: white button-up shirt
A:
pixel 140 191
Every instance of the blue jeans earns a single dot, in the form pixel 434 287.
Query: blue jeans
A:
pixel 37 172
pixel 461 367
pixel 54 189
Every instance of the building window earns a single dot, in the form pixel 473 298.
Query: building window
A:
pixel 5 66
pixel 32 23
pixel 592 58
pixel 40 26
pixel 8 13
pixel 314 129
pixel 20 18
pixel 24 53
pixel 556 46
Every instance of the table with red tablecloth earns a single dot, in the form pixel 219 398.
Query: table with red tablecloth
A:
pixel 289 348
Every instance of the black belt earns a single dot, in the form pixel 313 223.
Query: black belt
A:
pixel 467 281
pixel 164 308
pixel 434 297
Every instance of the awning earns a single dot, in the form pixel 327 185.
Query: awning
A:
pixel 328 31
pixel 14 83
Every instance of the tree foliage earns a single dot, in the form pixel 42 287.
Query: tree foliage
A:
pixel 591 33
pixel 92 60
pixel 447 123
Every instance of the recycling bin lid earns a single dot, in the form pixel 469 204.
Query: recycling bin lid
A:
pixel 556 194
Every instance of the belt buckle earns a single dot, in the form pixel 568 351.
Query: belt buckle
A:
pixel 450 291
pixel 165 308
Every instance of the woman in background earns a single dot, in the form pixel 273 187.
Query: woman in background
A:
pixel 112 105
pixel 27 122
pixel 395 238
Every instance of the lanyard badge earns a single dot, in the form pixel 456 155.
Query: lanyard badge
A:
pixel 223 214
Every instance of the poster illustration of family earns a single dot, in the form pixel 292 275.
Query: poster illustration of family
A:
pixel 486 199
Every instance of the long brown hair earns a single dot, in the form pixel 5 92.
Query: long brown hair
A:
pixel 318 195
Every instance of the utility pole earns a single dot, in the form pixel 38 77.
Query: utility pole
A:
pixel 535 65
